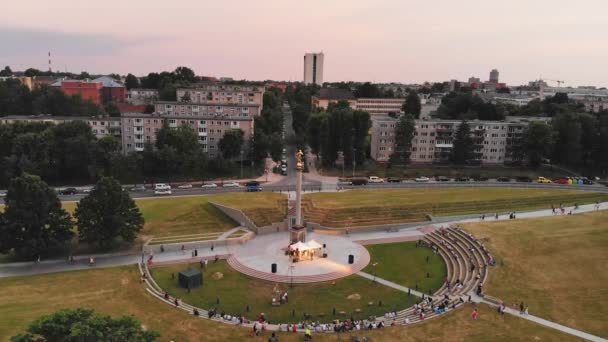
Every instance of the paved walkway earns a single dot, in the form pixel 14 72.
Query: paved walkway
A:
pixel 391 284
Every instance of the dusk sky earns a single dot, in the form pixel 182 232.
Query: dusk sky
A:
pixel 375 40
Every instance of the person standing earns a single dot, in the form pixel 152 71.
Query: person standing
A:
pixel 474 314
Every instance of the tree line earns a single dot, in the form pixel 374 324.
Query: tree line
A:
pixel 34 223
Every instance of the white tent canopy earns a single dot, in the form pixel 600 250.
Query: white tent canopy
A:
pixel 304 246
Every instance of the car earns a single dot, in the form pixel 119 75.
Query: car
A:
pixel 393 180
pixel 561 181
pixel 375 179
pixel 343 181
pixel 442 179
pixel 162 192
pixel 358 181
pixel 162 186
pixel 523 179
pixel 284 167
pixel 284 161
pixel 587 181
pixel 253 186
pixel 68 191
pixel 209 186
pixel 284 172
pixel 480 179
pixel 231 185
pixel 87 190
pixel 503 179
pixel 137 188
pixel 422 179
pixel 543 180
pixel 2 194
pixel 462 179
pixel 185 186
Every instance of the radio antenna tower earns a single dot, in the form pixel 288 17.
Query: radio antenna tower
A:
pixel 50 65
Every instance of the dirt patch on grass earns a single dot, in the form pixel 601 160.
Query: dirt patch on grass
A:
pixel 217 275
pixel 354 296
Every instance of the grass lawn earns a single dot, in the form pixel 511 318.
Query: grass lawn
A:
pixel 382 206
pixel 405 264
pixel 117 291
pixel 236 290
pixel 263 208
pixel 557 265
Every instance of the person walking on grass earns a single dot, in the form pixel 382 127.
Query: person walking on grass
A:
pixel 474 314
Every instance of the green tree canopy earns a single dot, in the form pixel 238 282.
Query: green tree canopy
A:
pixel 78 325
pixel 106 213
pixel 231 143
pixel 131 81
pixel 404 133
pixel 6 72
pixel 463 148
pixel 33 220
pixel 368 90
pixel 412 104
pixel 537 142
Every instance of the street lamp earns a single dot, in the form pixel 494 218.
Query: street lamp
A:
pixel 241 164
pixel 374 269
pixel 354 160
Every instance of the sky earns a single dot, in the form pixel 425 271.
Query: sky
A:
pixel 373 40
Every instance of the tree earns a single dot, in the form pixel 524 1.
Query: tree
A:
pixel 6 72
pixel 537 142
pixel 131 81
pixel 185 74
pixel 368 90
pixel 112 109
pixel 231 143
pixel 567 137
pixel 76 325
pixel 404 133
pixel 463 148
pixel 33 220
pixel 106 213
pixel 412 104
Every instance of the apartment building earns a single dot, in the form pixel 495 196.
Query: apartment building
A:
pixel 218 93
pixel 142 96
pixel 139 129
pixel 243 111
pixel 433 139
pixel 313 68
pixel 380 106
pixel 100 125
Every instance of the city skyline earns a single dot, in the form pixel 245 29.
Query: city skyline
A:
pixel 383 41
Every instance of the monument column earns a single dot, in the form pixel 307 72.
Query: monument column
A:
pixel 298 231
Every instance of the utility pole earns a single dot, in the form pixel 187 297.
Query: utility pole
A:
pixel 241 164
pixel 354 161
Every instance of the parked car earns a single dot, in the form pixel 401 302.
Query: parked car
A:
pixel 587 181
pixel 561 181
pixel 343 181
pixel 162 186
pixel 231 185
pixel 68 191
pixel 375 179
pixel 463 179
pixel 503 179
pixel 209 186
pixel 185 186
pixel 87 190
pixel 358 181
pixel 164 192
pixel 138 188
pixel 2 194
pixel 422 179
pixel 253 186
pixel 523 179
pixel 442 179
pixel 284 167
pixel 480 179
pixel 393 180
pixel 543 180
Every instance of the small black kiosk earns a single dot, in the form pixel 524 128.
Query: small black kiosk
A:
pixel 190 278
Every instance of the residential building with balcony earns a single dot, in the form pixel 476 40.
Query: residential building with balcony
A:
pixel 100 125
pixel 223 94
pixel 142 96
pixel 495 142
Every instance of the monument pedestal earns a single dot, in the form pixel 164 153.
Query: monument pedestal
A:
pixel 297 233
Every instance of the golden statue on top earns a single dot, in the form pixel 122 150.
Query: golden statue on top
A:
pixel 299 163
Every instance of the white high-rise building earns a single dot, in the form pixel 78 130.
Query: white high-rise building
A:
pixel 313 68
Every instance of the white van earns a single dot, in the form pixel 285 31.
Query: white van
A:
pixel 162 186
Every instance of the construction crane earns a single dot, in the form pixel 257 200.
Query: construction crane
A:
pixel 559 83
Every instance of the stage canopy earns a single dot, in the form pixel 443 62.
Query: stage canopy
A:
pixel 305 246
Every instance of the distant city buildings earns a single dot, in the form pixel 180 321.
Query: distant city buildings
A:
pixel 101 126
pixel 493 76
pixel 142 96
pixel 313 68
pixel 99 91
pixel 434 139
